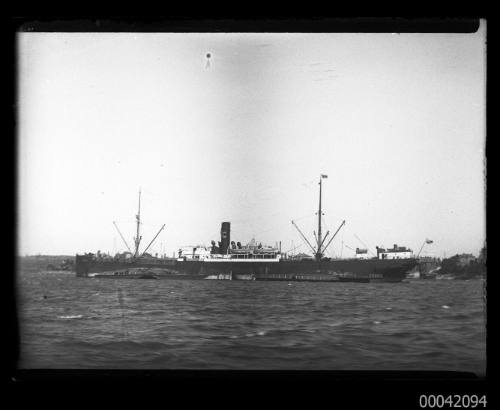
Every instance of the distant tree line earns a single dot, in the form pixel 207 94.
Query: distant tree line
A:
pixel 465 266
pixel 37 263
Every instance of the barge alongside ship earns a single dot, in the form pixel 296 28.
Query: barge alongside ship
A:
pixel 232 261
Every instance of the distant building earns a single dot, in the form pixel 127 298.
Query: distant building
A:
pixel 397 252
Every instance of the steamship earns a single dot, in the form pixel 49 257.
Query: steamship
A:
pixel 230 260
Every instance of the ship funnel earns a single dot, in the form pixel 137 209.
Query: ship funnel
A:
pixel 225 236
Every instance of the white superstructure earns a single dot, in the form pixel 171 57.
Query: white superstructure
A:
pixel 396 252
pixel 206 254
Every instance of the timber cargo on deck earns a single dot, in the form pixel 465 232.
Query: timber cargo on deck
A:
pixel 230 260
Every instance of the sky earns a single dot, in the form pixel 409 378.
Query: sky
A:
pixel 396 121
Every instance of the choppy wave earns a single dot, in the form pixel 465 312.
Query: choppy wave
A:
pixel 247 325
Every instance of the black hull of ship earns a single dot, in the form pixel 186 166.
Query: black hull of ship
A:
pixel 345 270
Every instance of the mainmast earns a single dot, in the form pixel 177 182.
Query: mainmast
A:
pixel 319 254
pixel 138 238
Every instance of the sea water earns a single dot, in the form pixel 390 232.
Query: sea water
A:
pixel 69 322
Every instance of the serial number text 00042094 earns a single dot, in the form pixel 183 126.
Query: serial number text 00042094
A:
pixel 467 401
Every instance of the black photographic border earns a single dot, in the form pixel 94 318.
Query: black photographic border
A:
pixel 313 389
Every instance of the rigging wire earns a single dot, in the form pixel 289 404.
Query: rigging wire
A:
pixel 294 248
pixel 125 220
pixel 262 192
pixel 342 248
pixel 262 232
pixel 348 247
pixel 310 215
pixel 364 244
pixel 330 252
pixel 344 244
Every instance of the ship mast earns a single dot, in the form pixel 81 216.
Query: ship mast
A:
pixel 319 254
pixel 319 238
pixel 138 238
